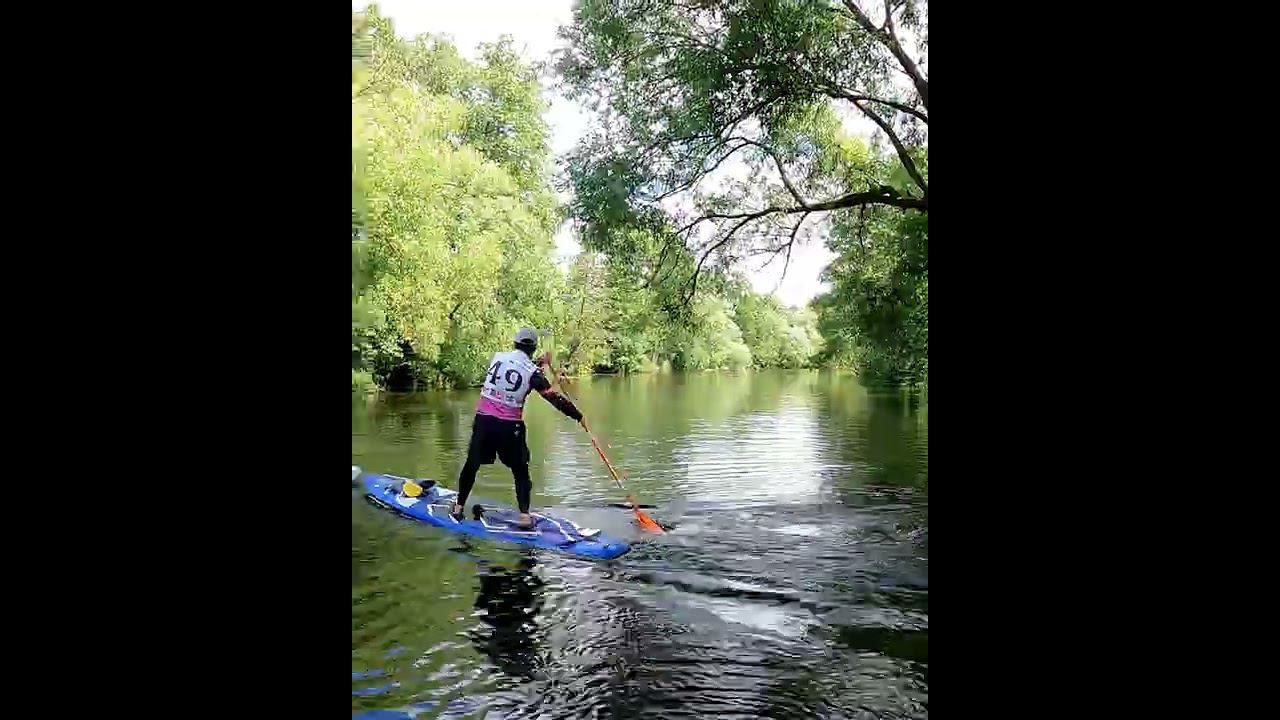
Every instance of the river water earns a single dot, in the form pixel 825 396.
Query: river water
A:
pixel 794 582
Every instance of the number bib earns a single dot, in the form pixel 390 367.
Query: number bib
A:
pixel 507 381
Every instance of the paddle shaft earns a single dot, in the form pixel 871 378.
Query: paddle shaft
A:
pixel 642 517
pixel 613 471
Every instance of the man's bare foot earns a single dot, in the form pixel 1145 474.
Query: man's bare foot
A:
pixel 525 521
pixel 457 512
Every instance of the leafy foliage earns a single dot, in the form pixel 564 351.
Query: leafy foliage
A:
pixel 724 134
pixel 876 318
pixel 452 223
pixel 755 85
pixel 456 214
pixel 777 336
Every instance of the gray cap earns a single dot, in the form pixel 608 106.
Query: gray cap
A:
pixel 527 336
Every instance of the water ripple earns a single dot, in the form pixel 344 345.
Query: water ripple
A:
pixel 794 583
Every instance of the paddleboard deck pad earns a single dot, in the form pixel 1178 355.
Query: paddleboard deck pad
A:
pixel 433 505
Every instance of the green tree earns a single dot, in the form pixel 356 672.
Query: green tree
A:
pixel 725 138
pixel 365 319
pixel 876 317
pixel 453 216
pixel 584 318
pixel 691 87
pixel 805 344
pixel 765 328
pixel 777 336
pixel 710 341
pixel 457 213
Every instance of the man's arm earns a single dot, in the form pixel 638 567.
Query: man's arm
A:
pixel 563 404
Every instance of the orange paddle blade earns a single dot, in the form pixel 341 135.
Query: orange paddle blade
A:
pixel 645 521
pixel 642 517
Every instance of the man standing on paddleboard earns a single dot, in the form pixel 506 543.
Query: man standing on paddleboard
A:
pixel 498 428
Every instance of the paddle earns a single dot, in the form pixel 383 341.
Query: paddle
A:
pixel 642 517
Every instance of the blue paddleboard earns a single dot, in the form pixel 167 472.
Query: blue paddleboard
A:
pixel 433 505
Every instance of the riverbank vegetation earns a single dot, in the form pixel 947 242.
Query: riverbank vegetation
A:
pixel 454 211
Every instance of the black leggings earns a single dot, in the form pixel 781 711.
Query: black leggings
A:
pixel 467 479
pixel 492 438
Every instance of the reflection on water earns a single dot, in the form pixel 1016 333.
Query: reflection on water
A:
pixel 794 585
pixel 509 601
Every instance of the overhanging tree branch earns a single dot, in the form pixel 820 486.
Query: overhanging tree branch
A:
pixel 853 97
pixel 880 196
pixel 702 172
pixel 697 271
pixel 657 269
pixel 903 155
pixel 887 36
pixel 790 245
pixel 719 81
pixel 781 171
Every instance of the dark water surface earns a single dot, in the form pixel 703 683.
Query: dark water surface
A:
pixel 795 582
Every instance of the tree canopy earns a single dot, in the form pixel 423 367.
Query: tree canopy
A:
pixel 724 133
pixel 686 88
pixel 453 218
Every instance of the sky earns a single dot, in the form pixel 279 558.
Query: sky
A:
pixel 533 25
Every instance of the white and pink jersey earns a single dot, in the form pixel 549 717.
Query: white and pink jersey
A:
pixel 506 385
